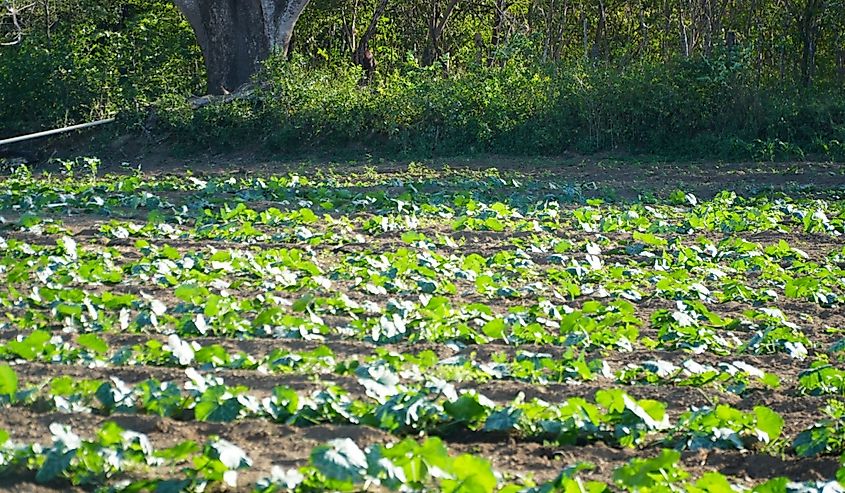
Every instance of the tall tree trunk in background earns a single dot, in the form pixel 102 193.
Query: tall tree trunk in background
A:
pixel 810 25
pixel 497 36
pixel 362 55
pixel 839 39
pixel 349 25
pixel 599 39
pixel 559 34
pixel 709 33
pixel 667 30
pixel 47 23
pixel 237 35
pixel 684 35
pixel 548 19
pixel 643 30
pixel 585 28
pixel 436 25
pixel 782 62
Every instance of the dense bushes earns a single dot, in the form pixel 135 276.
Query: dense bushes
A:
pixel 100 57
pixel 126 55
pixel 681 108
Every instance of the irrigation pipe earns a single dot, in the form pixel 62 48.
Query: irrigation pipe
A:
pixel 47 133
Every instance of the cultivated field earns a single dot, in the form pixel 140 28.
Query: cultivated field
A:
pixel 403 327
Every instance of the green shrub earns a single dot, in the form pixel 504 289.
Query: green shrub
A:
pixel 101 58
pixel 685 108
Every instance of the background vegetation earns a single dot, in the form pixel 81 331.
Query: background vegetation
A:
pixel 723 78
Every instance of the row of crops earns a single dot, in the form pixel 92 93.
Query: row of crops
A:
pixel 443 311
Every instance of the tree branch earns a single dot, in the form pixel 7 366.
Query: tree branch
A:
pixel 441 25
pixel 13 11
pixel 371 29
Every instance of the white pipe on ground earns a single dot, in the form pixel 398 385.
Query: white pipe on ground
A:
pixel 47 133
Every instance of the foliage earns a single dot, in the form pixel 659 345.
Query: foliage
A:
pixel 682 108
pixel 98 58
pixel 516 77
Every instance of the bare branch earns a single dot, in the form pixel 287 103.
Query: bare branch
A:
pixel 14 12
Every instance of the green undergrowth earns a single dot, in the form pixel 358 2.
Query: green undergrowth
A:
pixel 681 109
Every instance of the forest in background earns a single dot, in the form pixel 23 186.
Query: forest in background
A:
pixel 762 79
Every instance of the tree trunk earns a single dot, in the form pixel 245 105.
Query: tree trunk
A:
pixel 643 31
pixel 810 26
pixel 585 27
pixel 599 49
pixel 47 23
pixel 684 35
pixel 436 25
pixel 497 36
pixel 667 30
pixel 237 35
pixel 362 54
pixel 840 58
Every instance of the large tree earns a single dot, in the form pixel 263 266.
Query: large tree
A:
pixel 237 35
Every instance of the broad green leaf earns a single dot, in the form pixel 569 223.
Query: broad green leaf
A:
pixel 179 452
pixel 466 408
pixel 646 473
pixel 307 216
pixel 303 302
pixel 503 420
pixel 472 475
pixel 56 463
pixel 31 346
pixel 341 460
pixel 650 239
pixel 110 434
pixel 188 292
pixel 769 422
pixel 494 224
pixel 172 486
pixel 776 485
pixel 94 343
pixel 495 329
pixel 713 482
pixel 213 407
pixel 8 381
pixel 771 380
